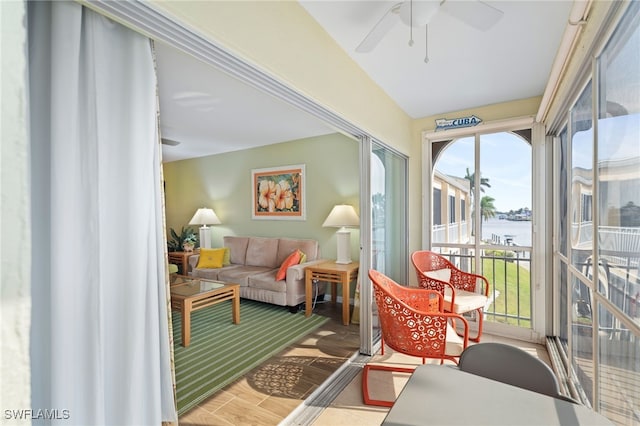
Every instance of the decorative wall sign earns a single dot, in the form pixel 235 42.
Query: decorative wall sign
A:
pixel 278 193
pixel 456 123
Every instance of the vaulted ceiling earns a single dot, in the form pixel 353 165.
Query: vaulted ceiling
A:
pixel 209 112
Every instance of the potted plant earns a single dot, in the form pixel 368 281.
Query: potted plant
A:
pixel 177 240
pixel 189 243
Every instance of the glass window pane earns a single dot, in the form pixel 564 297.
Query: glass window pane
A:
pixel 619 169
pixel 619 384
pixel 388 189
pixel 563 193
pixel 582 182
pixel 504 207
pixel 582 238
pixel 582 337
pixel 437 208
pixel 562 295
pixel 561 203
pixel 618 187
pixel 452 200
pixel 505 190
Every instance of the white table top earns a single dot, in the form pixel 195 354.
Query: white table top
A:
pixel 445 395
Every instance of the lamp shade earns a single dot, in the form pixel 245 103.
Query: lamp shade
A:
pixel 342 215
pixel 205 216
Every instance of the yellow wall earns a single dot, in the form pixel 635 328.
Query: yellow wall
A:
pixel 223 182
pixel 488 113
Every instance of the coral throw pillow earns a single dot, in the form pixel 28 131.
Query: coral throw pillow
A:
pixel 210 258
pixel 292 259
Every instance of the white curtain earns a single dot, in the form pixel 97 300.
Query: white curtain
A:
pixel 100 340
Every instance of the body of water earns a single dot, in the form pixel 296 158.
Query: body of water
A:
pixel 519 231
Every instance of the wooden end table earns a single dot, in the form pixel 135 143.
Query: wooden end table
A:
pixel 334 273
pixel 194 294
pixel 181 258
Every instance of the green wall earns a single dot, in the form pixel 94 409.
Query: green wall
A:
pixel 223 183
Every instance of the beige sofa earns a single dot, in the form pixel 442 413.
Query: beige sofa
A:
pixel 254 264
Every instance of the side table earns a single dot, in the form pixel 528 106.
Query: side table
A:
pixel 334 273
pixel 181 258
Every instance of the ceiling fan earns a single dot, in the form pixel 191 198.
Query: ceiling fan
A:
pixel 169 142
pixel 415 13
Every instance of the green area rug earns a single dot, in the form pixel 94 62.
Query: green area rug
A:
pixel 220 351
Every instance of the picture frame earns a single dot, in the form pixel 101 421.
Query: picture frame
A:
pixel 278 193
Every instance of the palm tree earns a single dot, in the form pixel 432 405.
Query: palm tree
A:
pixel 487 209
pixel 471 177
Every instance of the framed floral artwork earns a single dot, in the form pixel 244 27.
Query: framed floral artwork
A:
pixel 278 193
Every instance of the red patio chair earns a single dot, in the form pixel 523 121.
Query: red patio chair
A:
pixel 413 323
pixel 459 288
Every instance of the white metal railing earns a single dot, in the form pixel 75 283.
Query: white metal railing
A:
pixel 439 234
pixel 617 239
pixel 582 233
pixel 453 233
pixel 507 269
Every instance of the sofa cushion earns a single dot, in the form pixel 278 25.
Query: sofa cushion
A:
pixel 286 246
pixel 465 301
pixel 210 274
pixel 439 274
pixel 262 252
pixel 267 281
pixel 238 248
pixel 240 274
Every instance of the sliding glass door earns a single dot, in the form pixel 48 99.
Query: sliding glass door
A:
pixel 386 247
pixel 388 213
pixel 597 218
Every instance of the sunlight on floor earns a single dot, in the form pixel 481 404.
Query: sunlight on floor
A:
pixel 348 408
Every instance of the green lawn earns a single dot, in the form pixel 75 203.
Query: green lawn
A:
pixel 511 302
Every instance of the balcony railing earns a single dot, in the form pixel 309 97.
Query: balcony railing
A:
pixel 452 233
pixel 508 273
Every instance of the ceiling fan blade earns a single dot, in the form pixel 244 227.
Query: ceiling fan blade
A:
pixel 474 13
pixel 379 30
pixel 169 142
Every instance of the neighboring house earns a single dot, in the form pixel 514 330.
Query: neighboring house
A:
pixel 451 209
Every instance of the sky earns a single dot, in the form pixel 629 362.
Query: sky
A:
pixel 505 159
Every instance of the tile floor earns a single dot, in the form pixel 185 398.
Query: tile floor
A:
pixel 348 409
pixel 269 393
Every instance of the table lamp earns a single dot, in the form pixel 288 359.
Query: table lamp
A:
pixel 343 216
pixel 204 217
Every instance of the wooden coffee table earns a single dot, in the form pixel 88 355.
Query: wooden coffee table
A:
pixel 191 294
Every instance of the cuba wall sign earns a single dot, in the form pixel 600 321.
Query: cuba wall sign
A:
pixel 457 123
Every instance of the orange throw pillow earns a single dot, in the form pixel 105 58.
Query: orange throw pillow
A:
pixel 292 259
